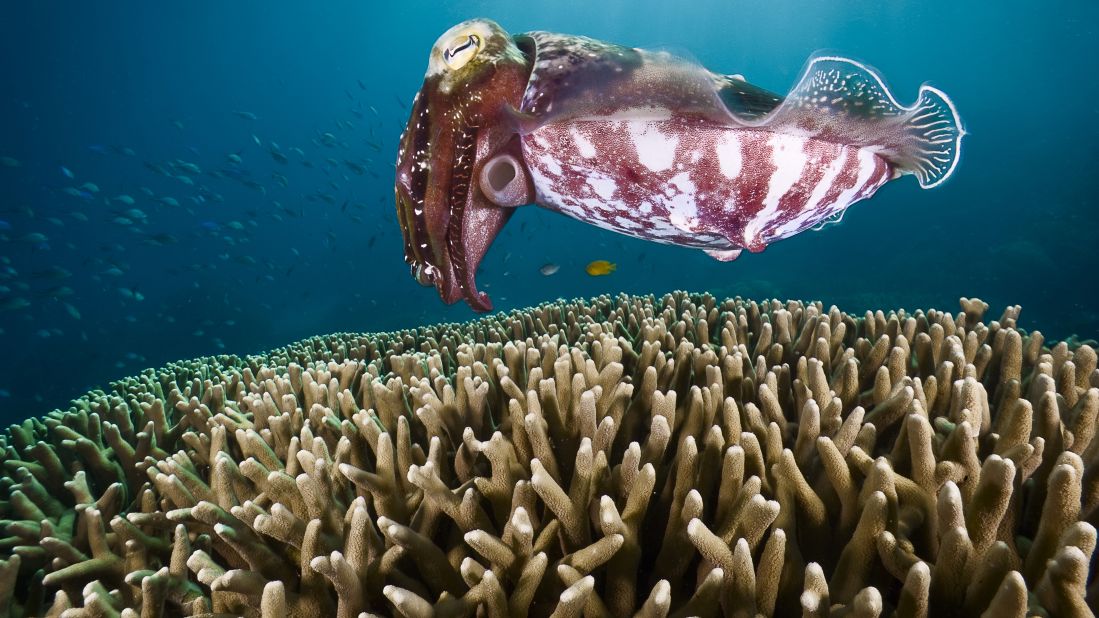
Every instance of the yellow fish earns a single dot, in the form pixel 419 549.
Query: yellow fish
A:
pixel 600 267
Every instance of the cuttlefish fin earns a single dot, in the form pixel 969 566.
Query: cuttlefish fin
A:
pixel 843 100
pixel 723 255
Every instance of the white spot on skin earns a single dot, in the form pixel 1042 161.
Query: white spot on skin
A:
pixel 682 207
pixel 728 155
pixel 655 150
pixel 593 204
pixel 627 223
pixel 552 166
pixel 866 168
pixel 809 215
pixel 789 158
pixel 603 185
pixel 583 144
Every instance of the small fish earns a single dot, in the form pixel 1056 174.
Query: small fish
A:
pixel 10 162
pixel 90 187
pixel 599 268
pixel 73 191
pixel 169 201
pixel 131 293
pixel 53 272
pixel 190 168
pixel 125 199
pixel 246 115
pixel 235 159
pixel 549 268
pixel 72 311
pixel 34 237
pixel 67 173
pixel 276 154
pixel 13 303
pixel 161 239
pixel 79 216
pixel 156 168
pixel 4 225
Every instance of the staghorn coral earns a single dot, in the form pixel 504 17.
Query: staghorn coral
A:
pixel 630 455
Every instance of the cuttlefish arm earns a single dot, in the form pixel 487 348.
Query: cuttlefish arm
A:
pixel 458 168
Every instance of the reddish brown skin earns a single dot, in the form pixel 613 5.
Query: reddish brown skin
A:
pixel 477 105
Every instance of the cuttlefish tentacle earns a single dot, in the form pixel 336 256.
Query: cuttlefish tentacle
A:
pixel 460 178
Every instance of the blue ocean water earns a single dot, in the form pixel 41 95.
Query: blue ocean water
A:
pixel 240 160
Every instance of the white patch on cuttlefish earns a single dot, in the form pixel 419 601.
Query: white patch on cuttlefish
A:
pixel 628 223
pixel 866 169
pixel 655 150
pixel 552 166
pixel 583 144
pixel 789 158
pixel 809 215
pixel 682 206
pixel 593 204
pixel 603 185
pixel 728 155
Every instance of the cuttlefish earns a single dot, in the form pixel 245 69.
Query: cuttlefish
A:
pixel 643 143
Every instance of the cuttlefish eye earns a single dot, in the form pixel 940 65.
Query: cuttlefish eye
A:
pixel 461 50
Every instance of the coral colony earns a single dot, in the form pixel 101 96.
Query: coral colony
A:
pixel 674 456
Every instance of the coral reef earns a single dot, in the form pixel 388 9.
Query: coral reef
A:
pixel 672 456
